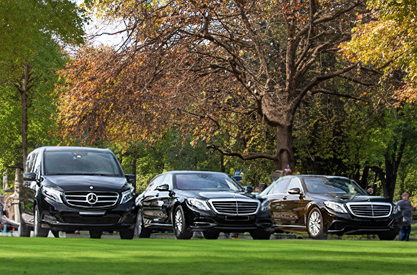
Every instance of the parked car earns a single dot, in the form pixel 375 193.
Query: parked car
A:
pixel 211 202
pixel 321 205
pixel 76 188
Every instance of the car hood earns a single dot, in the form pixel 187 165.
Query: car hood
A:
pixel 215 195
pixel 351 198
pixel 86 183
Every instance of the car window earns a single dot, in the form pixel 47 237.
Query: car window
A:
pixel 295 183
pixel 205 181
pixel 279 187
pixel 168 180
pixel 346 185
pixel 81 162
pixel 37 165
pixel 333 186
pixel 30 162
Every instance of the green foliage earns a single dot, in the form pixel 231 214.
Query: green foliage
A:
pixel 389 43
pixel 33 34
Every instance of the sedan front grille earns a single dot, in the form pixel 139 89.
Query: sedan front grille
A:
pixel 370 210
pixel 92 199
pixel 235 206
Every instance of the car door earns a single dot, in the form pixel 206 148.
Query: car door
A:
pixel 274 197
pixel 28 190
pixel 151 203
pixel 165 199
pixel 293 205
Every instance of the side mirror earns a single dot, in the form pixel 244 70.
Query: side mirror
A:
pixel 163 188
pixel 294 191
pixel 29 176
pixel 248 189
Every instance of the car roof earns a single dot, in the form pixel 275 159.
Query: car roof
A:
pixel 78 148
pixel 316 176
pixel 193 172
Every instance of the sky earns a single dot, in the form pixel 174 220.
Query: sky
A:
pixel 98 28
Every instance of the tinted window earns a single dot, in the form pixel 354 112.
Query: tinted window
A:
pixel 168 180
pixel 81 163
pixel 325 186
pixel 279 187
pixel 37 165
pixel 346 185
pixel 30 162
pixel 205 181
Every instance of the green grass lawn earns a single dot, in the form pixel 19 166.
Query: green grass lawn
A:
pixel 170 256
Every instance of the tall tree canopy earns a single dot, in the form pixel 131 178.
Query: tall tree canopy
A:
pixel 33 33
pixel 388 41
pixel 233 68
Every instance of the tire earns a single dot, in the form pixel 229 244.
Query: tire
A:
pixel 24 230
pixel 37 226
pixel 127 234
pixel 180 225
pixel 95 234
pixel 315 226
pixel 387 236
pixel 211 235
pixel 55 233
pixel 140 231
pixel 260 235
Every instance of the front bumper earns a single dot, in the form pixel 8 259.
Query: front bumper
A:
pixel 200 220
pixel 349 224
pixel 60 217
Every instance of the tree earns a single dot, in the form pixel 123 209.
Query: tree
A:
pixel 388 41
pixel 234 68
pixel 32 41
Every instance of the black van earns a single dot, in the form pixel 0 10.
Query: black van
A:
pixel 76 188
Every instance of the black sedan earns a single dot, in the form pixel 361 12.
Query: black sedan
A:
pixel 321 205
pixel 211 202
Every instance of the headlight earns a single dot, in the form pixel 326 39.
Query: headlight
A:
pixel 52 194
pixel 336 207
pixel 265 205
pixel 397 209
pixel 198 204
pixel 127 196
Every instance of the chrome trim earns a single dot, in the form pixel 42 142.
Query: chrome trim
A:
pixel 371 204
pixel 79 199
pixel 236 201
pixel 92 213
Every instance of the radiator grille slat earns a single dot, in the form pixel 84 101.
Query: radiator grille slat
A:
pixel 370 210
pixel 235 207
pixel 102 199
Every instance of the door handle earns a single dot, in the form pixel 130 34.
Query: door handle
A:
pixel 284 198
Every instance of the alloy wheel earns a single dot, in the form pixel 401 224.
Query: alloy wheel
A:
pixel 178 220
pixel 315 223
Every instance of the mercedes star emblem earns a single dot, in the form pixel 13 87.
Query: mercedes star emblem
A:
pixel 92 198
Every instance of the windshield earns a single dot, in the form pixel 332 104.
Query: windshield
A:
pixel 81 162
pixel 205 181
pixel 333 186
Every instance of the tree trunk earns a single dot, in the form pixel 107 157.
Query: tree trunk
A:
pixel 23 89
pixel 285 152
pixel 222 167
pixel 364 182
pixel 134 165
